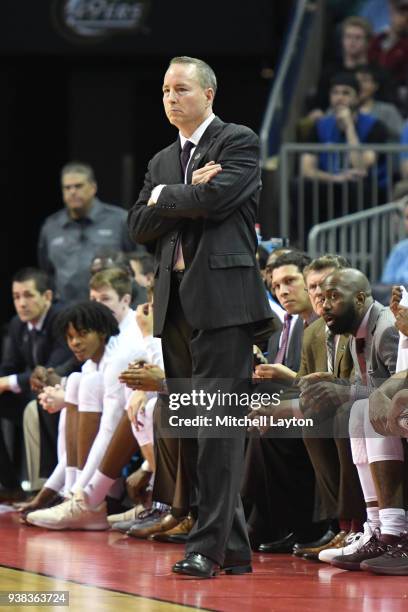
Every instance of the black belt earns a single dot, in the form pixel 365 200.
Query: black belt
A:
pixel 177 275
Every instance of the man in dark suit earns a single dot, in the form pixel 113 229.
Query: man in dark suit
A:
pixel 32 341
pixel 197 209
pixel 278 484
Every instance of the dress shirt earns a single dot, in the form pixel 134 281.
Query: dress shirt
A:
pixel 336 343
pixel 362 330
pixel 195 138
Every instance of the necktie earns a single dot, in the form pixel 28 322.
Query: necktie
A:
pixel 178 259
pixel 280 357
pixel 185 156
pixel 360 346
pixel 34 337
pixel 330 351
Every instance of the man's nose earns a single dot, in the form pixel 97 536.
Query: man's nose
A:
pixel 172 97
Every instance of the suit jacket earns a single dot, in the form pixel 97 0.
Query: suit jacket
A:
pixel 221 285
pixel 52 350
pixel 314 353
pixel 380 351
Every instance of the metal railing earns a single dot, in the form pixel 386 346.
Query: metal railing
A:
pixel 305 202
pixel 307 13
pixel 365 238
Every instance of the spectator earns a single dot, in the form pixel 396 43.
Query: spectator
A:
pixel 344 125
pixel 70 238
pixel 390 48
pixel 386 112
pixel 343 171
pixel 396 269
pixel 356 33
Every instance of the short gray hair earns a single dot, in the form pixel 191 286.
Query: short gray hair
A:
pixel 205 73
pixel 75 167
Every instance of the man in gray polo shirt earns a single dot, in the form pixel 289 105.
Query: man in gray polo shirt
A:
pixel 71 237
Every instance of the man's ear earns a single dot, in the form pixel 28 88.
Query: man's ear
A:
pixel 126 299
pixel 48 294
pixel 360 298
pixel 209 94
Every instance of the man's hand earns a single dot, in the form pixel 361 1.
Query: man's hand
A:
pixel 137 404
pixel 379 406
pixel 353 174
pixel 146 378
pixel 396 297
pixel 206 173
pixel 144 319
pixel 401 320
pixel 38 379
pixel 4 384
pixel 52 399
pixel 324 395
pixel 344 116
pixel 273 370
pixel 398 410
pixel 315 377
pixel 41 376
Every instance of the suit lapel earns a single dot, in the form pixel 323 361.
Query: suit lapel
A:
pixel 173 165
pixel 372 324
pixel 206 140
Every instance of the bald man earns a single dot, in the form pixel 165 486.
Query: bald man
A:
pixel 349 308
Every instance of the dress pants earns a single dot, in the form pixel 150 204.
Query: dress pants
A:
pixel 214 360
pixel 31 426
pixel 48 441
pixel 171 483
pixel 11 409
pixel 278 488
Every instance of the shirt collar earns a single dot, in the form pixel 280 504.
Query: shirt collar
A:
pixel 39 325
pixel 127 320
pixel 362 330
pixel 197 134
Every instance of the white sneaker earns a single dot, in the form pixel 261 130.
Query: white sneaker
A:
pixel 129 515
pixel 75 513
pixel 353 544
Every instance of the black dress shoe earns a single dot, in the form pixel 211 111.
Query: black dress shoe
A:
pixel 284 545
pixel 197 565
pixel 324 539
pixel 231 567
